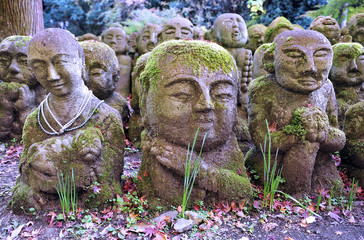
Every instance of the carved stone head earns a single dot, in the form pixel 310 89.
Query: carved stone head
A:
pixel 328 26
pixel 256 34
pixel 148 38
pixel 176 28
pixel 300 59
pixel 102 68
pixel 356 28
pixel 58 61
pixel 277 26
pixel 348 64
pixel 13 61
pixel 189 85
pixel 116 38
pixel 230 30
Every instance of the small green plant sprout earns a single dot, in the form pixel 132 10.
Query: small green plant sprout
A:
pixel 190 177
pixel 322 194
pixel 272 178
pixel 352 195
pixel 66 190
pixel 14 140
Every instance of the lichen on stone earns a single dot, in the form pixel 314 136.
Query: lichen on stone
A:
pixel 296 127
pixel 347 49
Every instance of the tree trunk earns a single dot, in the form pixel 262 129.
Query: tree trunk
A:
pixel 20 17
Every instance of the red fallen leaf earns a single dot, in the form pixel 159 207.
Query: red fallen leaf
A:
pixel 196 207
pixel 308 105
pixel 145 173
pixel 179 209
pixel 241 205
pixel 140 178
pixel 233 206
pixel 334 216
pixel 53 216
pixel 273 127
pixel 160 236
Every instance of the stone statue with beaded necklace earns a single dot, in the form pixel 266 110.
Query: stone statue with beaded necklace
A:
pixel 71 130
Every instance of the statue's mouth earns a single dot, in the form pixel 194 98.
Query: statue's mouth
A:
pixel 307 82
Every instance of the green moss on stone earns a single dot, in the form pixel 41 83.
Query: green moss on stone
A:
pixel 279 22
pixel 296 127
pixel 352 50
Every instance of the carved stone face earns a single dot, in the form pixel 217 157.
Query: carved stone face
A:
pixel 101 68
pixel 55 57
pixel 302 60
pixel 256 36
pixel 186 98
pixel 148 38
pixel 230 30
pixel 356 28
pixel 348 65
pixel 177 28
pixel 328 26
pixel 116 38
pixel 13 61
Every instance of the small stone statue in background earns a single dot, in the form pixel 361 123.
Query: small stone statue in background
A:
pixel 71 130
pixel 328 26
pixel 147 38
pixel 356 28
pixel 256 35
pixel 258 66
pixel 353 153
pixel 102 74
pixel 173 29
pixel 277 26
pixel 117 39
pixel 298 101
pixel 20 91
pixel 88 36
pixel 347 76
pixel 189 85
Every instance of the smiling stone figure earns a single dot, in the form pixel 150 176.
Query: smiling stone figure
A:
pixel 117 39
pixel 328 26
pixel 299 103
pixel 20 91
pixel 71 130
pixel 189 85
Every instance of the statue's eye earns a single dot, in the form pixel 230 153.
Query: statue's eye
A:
pixel 119 37
pixel 321 53
pixel 170 31
pixel 96 72
pixel 146 37
pixel 361 58
pixel 294 53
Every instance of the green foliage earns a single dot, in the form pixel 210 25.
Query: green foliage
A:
pixel 66 190
pixel 272 178
pixel 336 8
pixel 352 195
pixel 189 178
pixel 292 10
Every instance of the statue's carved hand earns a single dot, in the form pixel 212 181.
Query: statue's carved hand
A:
pixel 316 124
pixel 89 144
pixel 26 98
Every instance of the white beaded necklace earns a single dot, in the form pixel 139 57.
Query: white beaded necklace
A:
pixel 64 128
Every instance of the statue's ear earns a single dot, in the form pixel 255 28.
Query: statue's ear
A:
pixel 268 59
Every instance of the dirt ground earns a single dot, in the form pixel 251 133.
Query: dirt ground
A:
pixel 223 221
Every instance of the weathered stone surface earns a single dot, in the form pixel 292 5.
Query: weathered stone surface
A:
pixel 102 74
pixel 353 152
pixel 299 103
pixel 195 217
pixel 256 35
pixel 328 26
pixel 176 29
pixel 347 76
pixel 91 145
pixel 117 39
pixel 183 225
pixel 356 28
pixel 20 91
pixel 189 85
pixel 168 216
pixel 277 26
pixel 147 38
pixel 258 66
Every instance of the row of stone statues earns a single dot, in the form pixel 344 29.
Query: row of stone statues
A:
pixel 178 87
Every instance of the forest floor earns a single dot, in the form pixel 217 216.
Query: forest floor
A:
pixel 129 217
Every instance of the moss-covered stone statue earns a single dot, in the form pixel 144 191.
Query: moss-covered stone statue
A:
pixel 353 152
pixel 356 28
pixel 147 38
pixel 277 26
pixel 347 75
pixel 258 65
pixel 117 39
pixel 189 85
pixel 256 35
pixel 299 103
pixel 71 130
pixel 102 73
pixel 174 29
pixel 20 91
pixel 328 26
